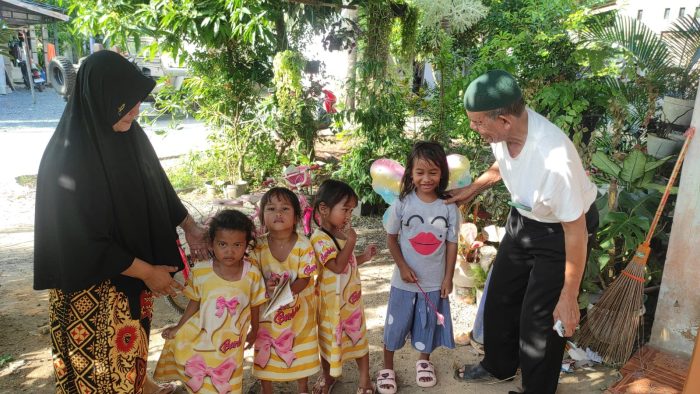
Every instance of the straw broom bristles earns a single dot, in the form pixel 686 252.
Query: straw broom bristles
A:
pixel 611 326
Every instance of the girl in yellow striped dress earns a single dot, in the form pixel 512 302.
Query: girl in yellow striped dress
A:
pixel 287 346
pixel 342 326
pixel 205 348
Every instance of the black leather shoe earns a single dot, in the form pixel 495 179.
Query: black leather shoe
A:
pixel 473 373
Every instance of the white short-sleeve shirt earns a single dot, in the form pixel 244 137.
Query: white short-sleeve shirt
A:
pixel 547 176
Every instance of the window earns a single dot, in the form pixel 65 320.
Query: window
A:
pixel 667 13
pixel 681 12
pixel 639 14
pixel 697 12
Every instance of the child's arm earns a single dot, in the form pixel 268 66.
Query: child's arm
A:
pixel 190 310
pixel 450 261
pixel 407 273
pixel 299 284
pixel 253 333
pixel 340 262
pixel 370 251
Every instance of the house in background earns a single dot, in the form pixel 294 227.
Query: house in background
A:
pixel 658 15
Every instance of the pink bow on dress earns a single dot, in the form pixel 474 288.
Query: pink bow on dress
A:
pixel 283 346
pixel 198 369
pixel 352 326
pixel 222 305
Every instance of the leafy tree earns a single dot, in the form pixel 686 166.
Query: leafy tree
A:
pixel 228 46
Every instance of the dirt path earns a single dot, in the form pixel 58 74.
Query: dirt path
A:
pixel 24 316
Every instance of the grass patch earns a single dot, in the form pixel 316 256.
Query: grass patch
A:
pixel 5 359
pixel 26 181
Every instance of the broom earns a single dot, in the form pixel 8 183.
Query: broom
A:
pixel 611 326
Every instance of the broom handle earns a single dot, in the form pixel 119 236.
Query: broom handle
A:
pixel 669 186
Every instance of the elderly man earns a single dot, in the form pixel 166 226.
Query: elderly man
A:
pixel 541 259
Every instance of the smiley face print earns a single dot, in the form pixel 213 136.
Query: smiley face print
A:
pixel 425 238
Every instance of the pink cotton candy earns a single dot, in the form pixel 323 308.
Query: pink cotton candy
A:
pixel 440 318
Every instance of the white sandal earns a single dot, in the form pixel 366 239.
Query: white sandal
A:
pixel 386 377
pixel 425 370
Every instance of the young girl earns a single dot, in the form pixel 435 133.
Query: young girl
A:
pixel 286 348
pixel 422 238
pixel 205 348
pixel 342 331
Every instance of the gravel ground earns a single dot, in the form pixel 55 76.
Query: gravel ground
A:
pixel 19 111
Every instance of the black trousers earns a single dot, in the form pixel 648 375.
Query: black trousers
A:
pixel 527 279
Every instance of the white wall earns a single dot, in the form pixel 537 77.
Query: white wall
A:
pixel 653 11
pixel 677 316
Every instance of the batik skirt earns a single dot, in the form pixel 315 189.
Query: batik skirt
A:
pixel 97 347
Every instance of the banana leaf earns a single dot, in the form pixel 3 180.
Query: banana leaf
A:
pixel 602 162
pixel 633 166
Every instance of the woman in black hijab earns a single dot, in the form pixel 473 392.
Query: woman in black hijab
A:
pixel 105 232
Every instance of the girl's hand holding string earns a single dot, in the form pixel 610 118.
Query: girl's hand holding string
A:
pixel 407 275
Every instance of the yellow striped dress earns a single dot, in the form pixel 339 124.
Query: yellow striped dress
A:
pixel 214 337
pixel 342 331
pixel 287 345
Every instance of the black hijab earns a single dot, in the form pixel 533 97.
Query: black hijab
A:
pixel 102 197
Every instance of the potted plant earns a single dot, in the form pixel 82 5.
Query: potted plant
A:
pixel 679 98
pixel 664 138
pixel 683 42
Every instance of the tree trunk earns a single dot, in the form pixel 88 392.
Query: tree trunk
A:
pixel 352 64
pixel 281 32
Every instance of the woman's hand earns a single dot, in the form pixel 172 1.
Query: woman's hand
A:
pixel 170 332
pixel 197 238
pixel 156 277
pixel 159 281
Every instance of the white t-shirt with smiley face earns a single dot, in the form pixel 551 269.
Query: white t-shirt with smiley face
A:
pixel 423 230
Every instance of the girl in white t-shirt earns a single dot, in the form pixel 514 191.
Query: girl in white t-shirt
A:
pixel 422 238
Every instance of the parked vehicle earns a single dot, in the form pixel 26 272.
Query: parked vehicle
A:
pixel 37 78
pixel 62 72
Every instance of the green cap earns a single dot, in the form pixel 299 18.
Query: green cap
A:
pixel 492 90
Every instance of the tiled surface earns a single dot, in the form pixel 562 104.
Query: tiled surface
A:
pixel 652 371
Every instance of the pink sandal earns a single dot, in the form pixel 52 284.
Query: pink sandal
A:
pixel 425 370
pixel 386 377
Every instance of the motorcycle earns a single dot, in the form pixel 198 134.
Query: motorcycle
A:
pixel 37 78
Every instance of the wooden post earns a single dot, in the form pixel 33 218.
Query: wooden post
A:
pixel 692 384
pixel 45 42
pixel 28 63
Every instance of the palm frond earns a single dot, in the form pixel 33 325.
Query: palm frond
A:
pixel 683 41
pixel 637 39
